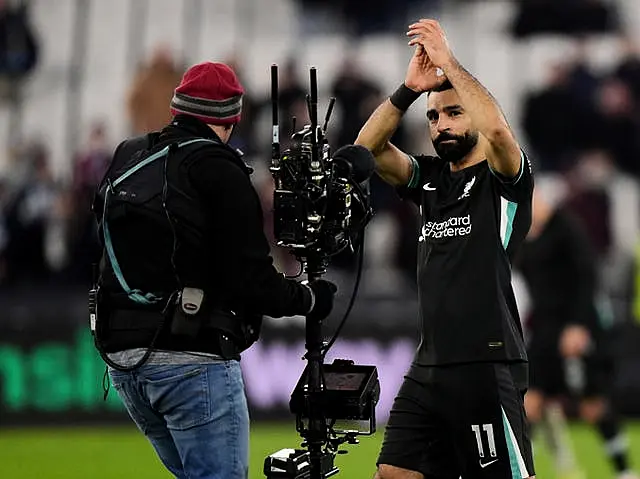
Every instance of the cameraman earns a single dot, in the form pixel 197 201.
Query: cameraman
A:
pixel 186 277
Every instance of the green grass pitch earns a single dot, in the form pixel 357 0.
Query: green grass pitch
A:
pixel 109 453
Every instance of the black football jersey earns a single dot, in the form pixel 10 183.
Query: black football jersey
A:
pixel 473 221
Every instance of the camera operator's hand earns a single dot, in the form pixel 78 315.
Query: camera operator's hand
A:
pixel 323 293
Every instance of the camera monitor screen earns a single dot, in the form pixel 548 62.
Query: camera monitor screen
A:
pixel 343 381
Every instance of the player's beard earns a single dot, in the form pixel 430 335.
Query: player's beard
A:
pixel 456 150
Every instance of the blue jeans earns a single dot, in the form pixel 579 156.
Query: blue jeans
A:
pixel 195 416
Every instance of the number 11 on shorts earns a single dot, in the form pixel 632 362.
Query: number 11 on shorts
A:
pixel 488 428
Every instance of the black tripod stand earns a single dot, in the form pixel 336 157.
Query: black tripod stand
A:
pixel 314 462
pixel 316 433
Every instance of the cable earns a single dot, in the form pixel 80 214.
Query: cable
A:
pixel 165 194
pixel 352 300
pixel 147 353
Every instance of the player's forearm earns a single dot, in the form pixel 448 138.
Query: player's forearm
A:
pixel 392 165
pixel 379 128
pixel 479 104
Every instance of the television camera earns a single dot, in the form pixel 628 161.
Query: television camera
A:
pixel 321 205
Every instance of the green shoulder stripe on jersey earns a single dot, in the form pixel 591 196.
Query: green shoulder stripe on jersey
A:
pixel 507 214
pixel 415 172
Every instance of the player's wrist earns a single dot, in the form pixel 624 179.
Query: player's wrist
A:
pixel 448 64
pixel 404 97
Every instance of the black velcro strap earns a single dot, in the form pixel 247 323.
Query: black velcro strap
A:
pixel 226 322
pixel 132 319
pixel 128 329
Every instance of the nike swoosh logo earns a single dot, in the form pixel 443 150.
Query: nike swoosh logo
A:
pixel 428 188
pixel 488 463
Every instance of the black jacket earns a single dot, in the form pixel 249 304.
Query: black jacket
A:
pixel 230 257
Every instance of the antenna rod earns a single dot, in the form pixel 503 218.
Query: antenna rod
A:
pixel 332 102
pixel 275 145
pixel 313 105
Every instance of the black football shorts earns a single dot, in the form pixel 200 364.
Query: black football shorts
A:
pixel 460 421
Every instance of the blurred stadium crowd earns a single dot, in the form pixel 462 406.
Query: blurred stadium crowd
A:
pixel 581 127
pixel 580 122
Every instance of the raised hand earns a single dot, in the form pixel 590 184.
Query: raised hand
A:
pixel 422 74
pixel 431 36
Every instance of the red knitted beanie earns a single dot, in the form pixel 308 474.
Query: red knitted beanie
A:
pixel 211 92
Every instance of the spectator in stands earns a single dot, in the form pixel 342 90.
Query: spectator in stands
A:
pixel 557 120
pixel 569 17
pixel 607 200
pixel 27 220
pixel 91 163
pixel 629 68
pixel 292 101
pixel 381 16
pixel 152 91
pixel 356 97
pixel 588 199
pixel 618 124
pixel 244 134
pixel 18 46
pixel 89 167
pixel 583 80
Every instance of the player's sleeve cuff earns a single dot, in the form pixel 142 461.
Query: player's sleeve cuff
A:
pixel 414 179
pixel 506 179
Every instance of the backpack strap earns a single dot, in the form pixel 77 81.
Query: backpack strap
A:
pixel 135 295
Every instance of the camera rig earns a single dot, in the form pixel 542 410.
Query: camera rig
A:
pixel 321 205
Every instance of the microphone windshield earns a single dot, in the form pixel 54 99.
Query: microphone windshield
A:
pixel 361 160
